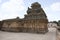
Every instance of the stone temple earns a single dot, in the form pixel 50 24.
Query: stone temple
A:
pixel 35 21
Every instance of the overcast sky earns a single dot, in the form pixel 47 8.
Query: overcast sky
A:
pixel 13 8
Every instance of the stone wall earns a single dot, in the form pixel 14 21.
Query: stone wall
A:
pixel 1 24
pixel 11 25
pixel 58 35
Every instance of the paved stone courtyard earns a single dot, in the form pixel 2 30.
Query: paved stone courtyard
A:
pixel 51 35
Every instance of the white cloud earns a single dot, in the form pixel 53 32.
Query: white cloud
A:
pixel 55 6
pixel 53 11
pixel 12 9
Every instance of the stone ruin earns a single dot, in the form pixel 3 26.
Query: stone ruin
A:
pixel 35 21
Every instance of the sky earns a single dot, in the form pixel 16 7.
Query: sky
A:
pixel 13 8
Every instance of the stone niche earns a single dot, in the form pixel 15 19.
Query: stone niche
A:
pixel 35 21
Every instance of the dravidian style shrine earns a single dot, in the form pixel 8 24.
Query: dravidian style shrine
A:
pixel 35 21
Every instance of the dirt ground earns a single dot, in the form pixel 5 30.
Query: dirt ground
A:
pixel 51 35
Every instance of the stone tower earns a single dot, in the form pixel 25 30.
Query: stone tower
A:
pixel 36 19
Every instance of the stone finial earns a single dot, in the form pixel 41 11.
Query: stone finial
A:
pixel 35 5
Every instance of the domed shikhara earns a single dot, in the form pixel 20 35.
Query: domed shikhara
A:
pixel 35 21
pixel 35 12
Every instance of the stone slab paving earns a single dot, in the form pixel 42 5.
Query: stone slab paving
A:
pixel 51 35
